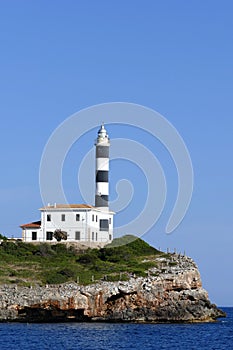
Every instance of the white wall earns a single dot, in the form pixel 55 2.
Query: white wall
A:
pixel 27 234
pixel 89 229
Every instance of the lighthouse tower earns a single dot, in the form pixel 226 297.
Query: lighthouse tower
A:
pixel 102 168
pixel 88 224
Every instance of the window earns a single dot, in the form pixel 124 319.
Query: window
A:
pixel 48 217
pixel 77 236
pixel 96 218
pixel 49 236
pixel 110 237
pixel 93 236
pixel 110 221
pixel 93 217
pixel 96 236
pixel 34 236
pixel 77 217
pixel 104 225
pixel 63 217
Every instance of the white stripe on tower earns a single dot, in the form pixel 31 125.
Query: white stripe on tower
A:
pixel 102 169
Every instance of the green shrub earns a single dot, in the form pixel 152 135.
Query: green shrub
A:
pixel 4 238
pixel 61 249
pixel 44 250
pixel 67 272
pixel 55 277
pixel 9 248
pixel 88 258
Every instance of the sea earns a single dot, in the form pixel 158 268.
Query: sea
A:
pixel 114 336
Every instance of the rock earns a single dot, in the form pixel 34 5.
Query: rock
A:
pixel 174 295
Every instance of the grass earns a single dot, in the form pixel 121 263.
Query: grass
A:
pixel 25 263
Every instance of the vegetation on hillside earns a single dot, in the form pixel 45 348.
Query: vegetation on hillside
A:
pixel 4 238
pixel 27 264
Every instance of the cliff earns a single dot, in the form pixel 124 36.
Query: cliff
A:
pixel 172 292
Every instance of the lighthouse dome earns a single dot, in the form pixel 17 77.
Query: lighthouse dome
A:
pixel 102 133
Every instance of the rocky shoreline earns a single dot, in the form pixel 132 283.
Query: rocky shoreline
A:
pixel 171 293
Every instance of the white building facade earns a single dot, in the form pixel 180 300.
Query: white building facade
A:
pixel 79 222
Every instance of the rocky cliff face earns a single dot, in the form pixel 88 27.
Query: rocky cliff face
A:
pixel 170 293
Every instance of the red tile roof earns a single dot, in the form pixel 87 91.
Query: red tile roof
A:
pixel 67 206
pixel 35 224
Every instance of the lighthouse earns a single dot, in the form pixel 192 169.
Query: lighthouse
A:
pixel 85 223
pixel 102 169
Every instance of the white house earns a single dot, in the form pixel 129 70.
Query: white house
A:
pixel 90 225
pixel 81 222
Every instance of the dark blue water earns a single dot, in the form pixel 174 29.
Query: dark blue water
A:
pixel 101 336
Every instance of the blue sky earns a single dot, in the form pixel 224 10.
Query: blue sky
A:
pixel 58 57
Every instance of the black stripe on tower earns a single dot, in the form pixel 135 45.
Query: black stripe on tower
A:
pixel 102 176
pixel 101 201
pixel 102 152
